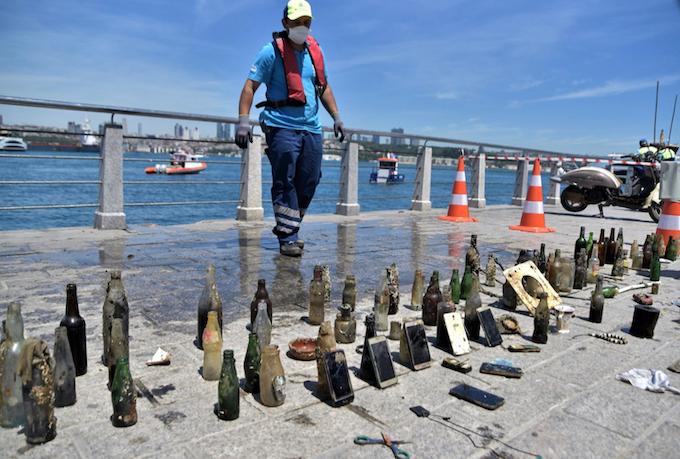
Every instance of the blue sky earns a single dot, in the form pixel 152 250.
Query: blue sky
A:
pixel 573 76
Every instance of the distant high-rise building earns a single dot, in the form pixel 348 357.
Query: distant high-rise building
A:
pixel 376 139
pixel 397 140
pixel 223 131
pixel 196 134
pixel 139 129
pixel 186 133
pixel 416 142
pixel 179 131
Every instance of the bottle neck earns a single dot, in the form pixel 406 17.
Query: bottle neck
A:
pixel 72 302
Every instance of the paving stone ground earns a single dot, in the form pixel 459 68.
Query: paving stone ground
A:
pixel 568 403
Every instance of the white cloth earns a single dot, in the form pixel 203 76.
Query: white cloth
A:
pixel 651 380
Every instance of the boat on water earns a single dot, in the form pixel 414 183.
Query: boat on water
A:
pixel 387 170
pixel 12 144
pixel 181 163
pixel 88 141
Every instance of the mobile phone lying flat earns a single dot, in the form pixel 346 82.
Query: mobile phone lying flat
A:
pixel 479 397
pixel 501 370
pixel 456 365
pixel 523 348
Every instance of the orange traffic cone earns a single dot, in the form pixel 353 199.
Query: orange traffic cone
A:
pixel 533 220
pixel 458 207
pixel 669 221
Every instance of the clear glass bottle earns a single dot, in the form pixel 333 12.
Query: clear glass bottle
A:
pixel 261 294
pixel 317 297
pixel 262 326
pixel 11 399
pixel 228 388
pixel 123 396
pixel 64 370
pixel 349 292
pixel 75 329
pixel 212 349
pixel 272 377
pixel 593 270
pixel 251 364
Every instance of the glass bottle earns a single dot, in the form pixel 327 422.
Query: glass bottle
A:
pixel 618 267
pixel 611 248
pixel 454 287
pixel 124 396
pixel 672 249
pixel 381 303
pixel 619 241
pixel 115 305
pixel 272 377
pixel 228 388
pixel 75 329
pixel 566 277
pixel 602 251
pixel 431 299
pixel 325 342
pixel 11 398
pixel 366 368
pixel 326 276
pixel 262 326
pixel 472 303
pixel 660 245
pixel 36 376
pixel 589 246
pixel 393 288
pixel 647 252
pixel 581 242
pixel 541 320
pixel 509 296
pixel 472 255
pixel 556 271
pixel 317 297
pixel 118 348
pixel 466 283
pixel 212 349
pixel 349 293
pixel 64 370
pixel 597 302
pixel 345 325
pixel 581 271
pixel 655 267
pixel 542 264
pixel 251 365
pixel 261 294
pixel 443 341
pixel 204 305
pixel 418 290
pixel 634 249
pixel 627 262
pixel 491 271
pixel 593 270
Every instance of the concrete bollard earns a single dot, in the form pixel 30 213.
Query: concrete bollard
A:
pixel 250 208
pixel 348 200
pixel 111 211
pixel 478 180
pixel 421 193
pixel 555 190
pixel 521 182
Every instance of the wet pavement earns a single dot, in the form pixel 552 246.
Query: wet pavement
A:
pixel 567 404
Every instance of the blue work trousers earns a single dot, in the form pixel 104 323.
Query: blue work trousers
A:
pixel 295 157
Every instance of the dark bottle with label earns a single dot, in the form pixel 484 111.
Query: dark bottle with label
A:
pixel 366 368
pixel 349 292
pixel 472 303
pixel 542 264
pixel 655 267
pixel 611 248
pixel 64 370
pixel 36 371
pixel 261 295
pixel 228 389
pixel 581 242
pixel 589 246
pixel 454 287
pixel 597 302
pixel 123 396
pixel 541 320
pixel 251 364
pixel 433 296
pixel 75 329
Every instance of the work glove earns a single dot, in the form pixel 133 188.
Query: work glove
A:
pixel 338 128
pixel 244 133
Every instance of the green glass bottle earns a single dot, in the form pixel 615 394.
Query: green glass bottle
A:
pixel 123 396
pixel 581 242
pixel 672 249
pixel 228 389
pixel 466 283
pixel 251 364
pixel 655 267
pixel 454 286
pixel 589 245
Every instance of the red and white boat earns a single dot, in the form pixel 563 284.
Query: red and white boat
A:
pixel 181 163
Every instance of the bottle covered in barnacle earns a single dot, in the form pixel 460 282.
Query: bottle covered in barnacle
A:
pixel 123 396
pixel 433 296
pixel 75 329
pixel 381 303
pixel 11 398
pixel 491 271
pixel 345 325
pixel 115 305
pixel 589 246
pixel 36 374
pixel 349 292
pixel 542 264
pixel 64 370
pixel 261 294
pixel 597 302
pixel 251 364
pixel 619 241
pixel 228 389
pixel 317 297
pixel 472 303
pixel 417 290
pixel 472 255
pixel 541 320
pixel 393 288
pixel 325 342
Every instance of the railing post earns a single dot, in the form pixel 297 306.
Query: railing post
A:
pixel 521 182
pixel 348 201
pixel 421 193
pixel 111 211
pixel 478 179
pixel 553 197
pixel 250 196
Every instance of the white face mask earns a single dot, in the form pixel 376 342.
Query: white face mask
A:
pixel 298 34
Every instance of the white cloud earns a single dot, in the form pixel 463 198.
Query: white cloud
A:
pixel 447 95
pixel 609 88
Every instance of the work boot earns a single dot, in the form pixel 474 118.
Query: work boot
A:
pixel 290 249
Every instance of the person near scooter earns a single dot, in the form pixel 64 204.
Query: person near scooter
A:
pixel 292 68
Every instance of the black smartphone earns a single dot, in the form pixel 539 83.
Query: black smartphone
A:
pixel 381 359
pixel 420 411
pixel 493 337
pixel 477 396
pixel 337 377
pixel 501 370
pixel 417 345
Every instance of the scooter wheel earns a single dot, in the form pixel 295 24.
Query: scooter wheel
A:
pixel 654 211
pixel 573 199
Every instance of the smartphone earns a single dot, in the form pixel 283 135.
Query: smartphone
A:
pixel 477 396
pixel 456 365
pixel 381 359
pixel 420 411
pixel 417 345
pixel 337 377
pixel 493 337
pixel 456 330
pixel 523 348
pixel 501 370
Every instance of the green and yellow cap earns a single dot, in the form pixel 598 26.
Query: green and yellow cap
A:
pixel 298 8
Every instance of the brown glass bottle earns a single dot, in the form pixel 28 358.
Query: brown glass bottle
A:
pixel 431 299
pixel 611 248
pixel 261 295
pixel 597 302
pixel 75 329
pixel 541 320
pixel 647 252
pixel 555 273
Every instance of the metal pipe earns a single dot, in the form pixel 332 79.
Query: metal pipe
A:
pixel 153 160
pixel 656 108
pixel 50 182
pixel 4 155
pixel 49 206
pixel 670 130
pixel 183 182
pixel 179 203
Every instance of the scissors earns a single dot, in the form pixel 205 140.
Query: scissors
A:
pixel 385 440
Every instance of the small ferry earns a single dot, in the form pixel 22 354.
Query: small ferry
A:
pixel 12 144
pixel 387 170
pixel 181 163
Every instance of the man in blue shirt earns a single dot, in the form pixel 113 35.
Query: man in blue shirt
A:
pixel 293 71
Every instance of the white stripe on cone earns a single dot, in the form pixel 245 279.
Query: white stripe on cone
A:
pixel 460 176
pixel 669 222
pixel 533 207
pixel 459 200
pixel 535 180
